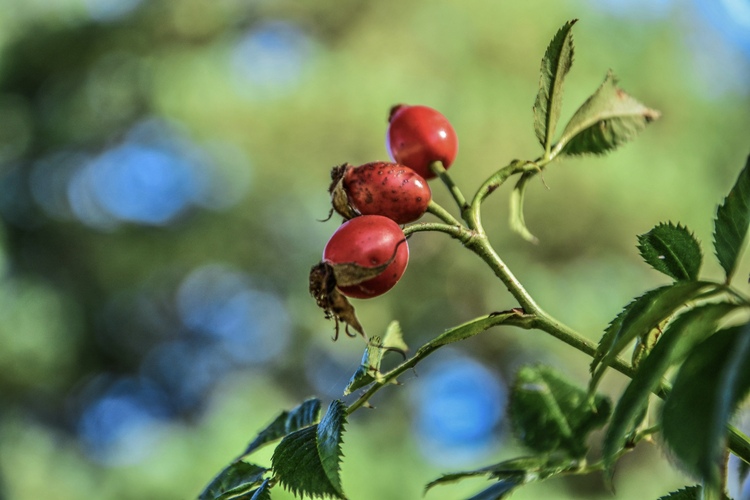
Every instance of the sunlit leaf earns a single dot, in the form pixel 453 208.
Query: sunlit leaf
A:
pixel 286 422
pixel 641 316
pixel 609 118
pixel 679 338
pixel 731 224
pixel 233 480
pixel 517 221
pixel 672 250
pixel 369 369
pixel 307 461
pixel 711 382
pixel 555 65
pixel 549 414
pixel 394 337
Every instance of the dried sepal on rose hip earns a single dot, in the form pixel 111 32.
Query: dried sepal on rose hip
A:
pixel 379 188
pixel 364 258
pixel 417 136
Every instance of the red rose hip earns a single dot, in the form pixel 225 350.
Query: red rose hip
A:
pixel 369 242
pixel 418 136
pixel 379 188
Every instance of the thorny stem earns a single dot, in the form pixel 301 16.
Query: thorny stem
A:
pixel 531 315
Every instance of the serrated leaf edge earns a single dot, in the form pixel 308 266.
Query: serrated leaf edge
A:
pixel 549 97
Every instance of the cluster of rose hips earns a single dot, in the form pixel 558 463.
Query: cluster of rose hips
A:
pixel 368 253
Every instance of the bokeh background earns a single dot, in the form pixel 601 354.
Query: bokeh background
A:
pixel 163 170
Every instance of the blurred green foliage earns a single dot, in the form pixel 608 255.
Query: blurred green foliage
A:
pixel 272 94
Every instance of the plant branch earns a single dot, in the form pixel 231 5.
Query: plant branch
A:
pixel 455 231
pixel 439 170
pixel 442 214
pixel 460 332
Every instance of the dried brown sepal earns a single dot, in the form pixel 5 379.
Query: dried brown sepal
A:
pixel 326 277
pixel 339 198
pixel 351 273
pixel 332 301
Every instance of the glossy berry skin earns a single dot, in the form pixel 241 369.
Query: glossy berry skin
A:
pixel 369 241
pixel 387 189
pixel 418 136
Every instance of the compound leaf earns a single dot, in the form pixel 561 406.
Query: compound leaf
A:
pixel 731 224
pixel 609 118
pixel 679 338
pixel 672 250
pixel 286 422
pixel 555 65
pixel 234 479
pixel 712 381
pixel 549 414
pixel 307 461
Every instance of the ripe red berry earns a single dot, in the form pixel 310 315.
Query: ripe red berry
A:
pixel 379 188
pixel 418 136
pixel 365 246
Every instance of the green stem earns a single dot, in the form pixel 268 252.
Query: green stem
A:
pixel 480 245
pixel 456 231
pixel 477 325
pixel 473 215
pixel 532 316
pixel 442 213
pixel 439 170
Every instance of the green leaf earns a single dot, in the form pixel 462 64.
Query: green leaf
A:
pixel 679 338
pixel 689 493
pixel 517 222
pixel 510 474
pixel 262 493
pixel 555 65
pixel 672 250
pixel 641 316
pixel 610 333
pixel 286 422
pixel 369 369
pixel 712 381
pixel 732 219
pixel 234 479
pixel 394 337
pixel 499 490
pixel 466 330
pixel 550 414
pixel 609 118
pixel 307 461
